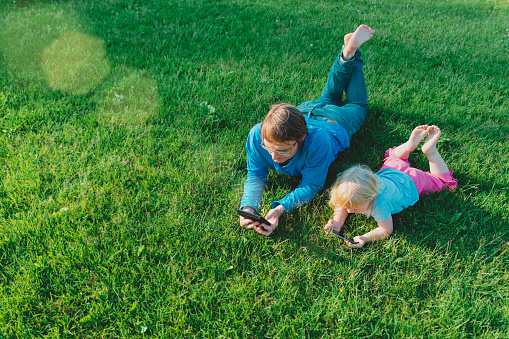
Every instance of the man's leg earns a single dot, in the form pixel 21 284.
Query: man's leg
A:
pixel 348 69
pixel 352 42
pixel 339 78
pixel 347 75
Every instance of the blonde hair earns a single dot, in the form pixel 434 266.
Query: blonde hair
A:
pixel 284 122
pixel 354 188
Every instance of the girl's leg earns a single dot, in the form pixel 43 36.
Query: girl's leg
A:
pixel 404 150
pixel 437 165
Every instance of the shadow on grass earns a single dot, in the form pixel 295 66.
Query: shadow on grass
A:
pixel 452 221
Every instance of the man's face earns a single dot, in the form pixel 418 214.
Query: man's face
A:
pixel 281 151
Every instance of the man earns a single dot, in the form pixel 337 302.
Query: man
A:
pixel 304 140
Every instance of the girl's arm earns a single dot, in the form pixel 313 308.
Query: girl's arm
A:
pixel 337 221
pixel 383 231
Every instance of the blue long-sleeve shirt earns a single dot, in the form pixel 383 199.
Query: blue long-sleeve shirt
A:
pixel 312 160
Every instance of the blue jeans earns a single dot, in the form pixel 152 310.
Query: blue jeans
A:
pixel 344 76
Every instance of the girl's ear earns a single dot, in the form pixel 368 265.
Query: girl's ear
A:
pixel 303 137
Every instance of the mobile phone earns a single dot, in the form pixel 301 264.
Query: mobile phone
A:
pixel 253 217
pixel 337 235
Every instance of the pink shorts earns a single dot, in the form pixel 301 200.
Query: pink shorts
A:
pixel 425 181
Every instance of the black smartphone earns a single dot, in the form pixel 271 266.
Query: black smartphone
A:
pixel 253 217
pixel 337 235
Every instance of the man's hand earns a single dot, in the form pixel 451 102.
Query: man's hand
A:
pixel 272 217
pixel 248 223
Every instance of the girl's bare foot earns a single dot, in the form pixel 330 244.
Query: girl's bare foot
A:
pixel 404 150
pixel 362 34
pixel 430 145
pixel 437 165
pixel 416 137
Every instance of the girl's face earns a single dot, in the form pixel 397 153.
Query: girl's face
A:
pixel 361 209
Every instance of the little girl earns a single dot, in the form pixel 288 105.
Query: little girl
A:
pixel 393 188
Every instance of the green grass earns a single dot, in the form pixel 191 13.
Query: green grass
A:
pixel 118 188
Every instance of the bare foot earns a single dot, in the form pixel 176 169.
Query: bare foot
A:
pixel 347 38
pixel 430 145
pixel 362 34
pixel 416 137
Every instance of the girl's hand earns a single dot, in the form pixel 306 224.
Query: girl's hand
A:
pixel 333 225
pixel 359 242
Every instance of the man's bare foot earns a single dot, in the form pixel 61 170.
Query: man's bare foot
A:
pixel 416 137
pixel 347 38
pixel 362 34
pixel 430 145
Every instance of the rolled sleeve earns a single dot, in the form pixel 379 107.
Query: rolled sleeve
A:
pixel 257 171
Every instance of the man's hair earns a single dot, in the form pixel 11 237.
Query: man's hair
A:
pixel 355 187
pixel 284 122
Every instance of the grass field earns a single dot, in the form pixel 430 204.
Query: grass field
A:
pixel 118 188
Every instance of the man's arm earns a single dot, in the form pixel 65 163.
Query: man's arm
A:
pixel 314 172
pixel 257 171
pixel 300 196
pixel 316 165
pixel 253 190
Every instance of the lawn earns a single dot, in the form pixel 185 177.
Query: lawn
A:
pixel 122 160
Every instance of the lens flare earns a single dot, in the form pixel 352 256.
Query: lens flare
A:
pixel 27 31
pixel 131 102
pixel 75 63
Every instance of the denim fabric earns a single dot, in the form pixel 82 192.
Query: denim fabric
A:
pixel 344 76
